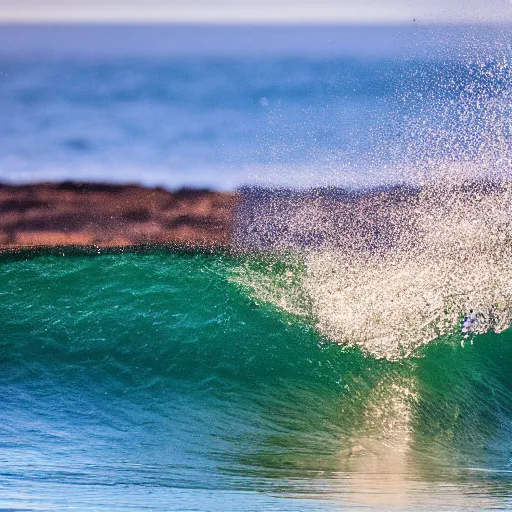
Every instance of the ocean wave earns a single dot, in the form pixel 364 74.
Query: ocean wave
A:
pixel 163 367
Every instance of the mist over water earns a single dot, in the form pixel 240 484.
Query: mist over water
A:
pixel 387 271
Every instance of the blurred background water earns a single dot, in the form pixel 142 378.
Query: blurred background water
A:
pixel 222 107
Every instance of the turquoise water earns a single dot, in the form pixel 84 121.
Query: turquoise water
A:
pixel 156 381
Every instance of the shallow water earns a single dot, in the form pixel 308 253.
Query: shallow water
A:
pixel 157 381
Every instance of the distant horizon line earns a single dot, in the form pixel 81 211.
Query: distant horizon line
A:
pixel 229 39
pixel 256 24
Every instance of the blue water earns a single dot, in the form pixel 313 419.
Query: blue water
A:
pixel 225 120
pixel 171 122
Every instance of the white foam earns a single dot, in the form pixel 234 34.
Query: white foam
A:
pixel 448 254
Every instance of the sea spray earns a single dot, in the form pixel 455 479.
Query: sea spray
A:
pixel 394 267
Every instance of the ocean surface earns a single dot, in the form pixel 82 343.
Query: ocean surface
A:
pixel 217 123
pixel 158 382
pixel 211 108
pixel 324 365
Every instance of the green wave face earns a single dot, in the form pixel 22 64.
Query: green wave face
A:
pixel 209 372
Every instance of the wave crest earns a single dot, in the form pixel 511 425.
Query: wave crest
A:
pixel 388 271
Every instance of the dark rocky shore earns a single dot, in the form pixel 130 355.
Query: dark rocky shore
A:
pixel 87 214
pixel 253 219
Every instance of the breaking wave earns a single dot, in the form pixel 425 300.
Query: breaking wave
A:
pixel 393 267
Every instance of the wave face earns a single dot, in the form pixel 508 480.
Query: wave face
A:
pixel 150 381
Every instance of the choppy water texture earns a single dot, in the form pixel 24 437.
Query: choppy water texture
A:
pixel 157 381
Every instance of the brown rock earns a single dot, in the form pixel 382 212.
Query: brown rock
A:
pixel 86 214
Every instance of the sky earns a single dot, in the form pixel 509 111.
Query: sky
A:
pixel 256 11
